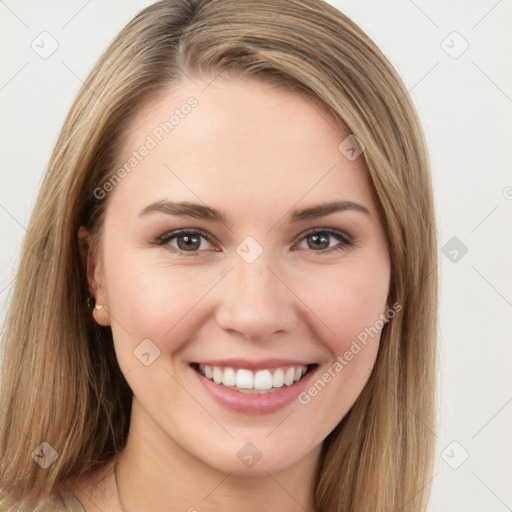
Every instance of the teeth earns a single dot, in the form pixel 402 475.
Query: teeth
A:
pixel 217 375
pixel 229 377
pixel 278 378
pixel 289 376
pixel 263 380
pixel 244 379
pixel 208 372
pixel 247 381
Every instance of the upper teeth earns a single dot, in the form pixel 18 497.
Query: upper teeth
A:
pixel 260 380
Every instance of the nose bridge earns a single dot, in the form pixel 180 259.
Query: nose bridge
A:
pixel 254 301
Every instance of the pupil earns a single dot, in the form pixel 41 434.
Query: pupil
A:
pixel 317 238
pixel 189 240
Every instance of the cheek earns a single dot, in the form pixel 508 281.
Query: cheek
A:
pixel 350 302
pixel 350 297
pixel 150 300
pixel 352 314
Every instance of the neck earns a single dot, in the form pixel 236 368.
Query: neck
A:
pixel 154 473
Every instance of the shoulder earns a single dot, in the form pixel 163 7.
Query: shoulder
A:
pixel 61 500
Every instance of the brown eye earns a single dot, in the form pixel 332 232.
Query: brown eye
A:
pixel 184 241
pixel 188 242
pixel 320 240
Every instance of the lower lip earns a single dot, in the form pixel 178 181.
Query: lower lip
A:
pixel 254 403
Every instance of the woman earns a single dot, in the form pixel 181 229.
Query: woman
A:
pixel 227 292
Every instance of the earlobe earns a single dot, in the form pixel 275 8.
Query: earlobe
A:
pixel 92 269
pixel 101 315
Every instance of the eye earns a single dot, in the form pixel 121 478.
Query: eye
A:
pixel 319 239
pixel 190 242
pixel 185 241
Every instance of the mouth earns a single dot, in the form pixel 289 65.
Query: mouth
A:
pixel 261 382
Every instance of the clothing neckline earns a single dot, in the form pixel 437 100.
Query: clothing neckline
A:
pixel 70 495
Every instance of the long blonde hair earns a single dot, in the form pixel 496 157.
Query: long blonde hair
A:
pixel 60 380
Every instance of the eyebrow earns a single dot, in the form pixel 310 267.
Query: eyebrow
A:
pixel 199 211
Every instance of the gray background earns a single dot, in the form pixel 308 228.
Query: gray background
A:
pixel 464 98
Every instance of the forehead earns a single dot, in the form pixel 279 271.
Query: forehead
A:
pixel 237 138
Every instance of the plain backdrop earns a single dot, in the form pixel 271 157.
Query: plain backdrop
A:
pixel 454 57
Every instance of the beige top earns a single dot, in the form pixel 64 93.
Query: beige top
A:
pixel 64 501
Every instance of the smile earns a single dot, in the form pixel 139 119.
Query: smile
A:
pixel 253 382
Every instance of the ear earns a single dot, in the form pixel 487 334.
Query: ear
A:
pixel 386 310
pixel 93 269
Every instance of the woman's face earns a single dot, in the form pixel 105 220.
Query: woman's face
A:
pixel 259 278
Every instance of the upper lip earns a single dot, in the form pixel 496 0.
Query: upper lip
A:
pixel 253 364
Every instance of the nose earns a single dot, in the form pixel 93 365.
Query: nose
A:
pixel 256 302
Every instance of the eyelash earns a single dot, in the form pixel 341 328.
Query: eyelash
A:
pixel 346 240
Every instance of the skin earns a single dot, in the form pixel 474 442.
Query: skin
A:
pixel 255 153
